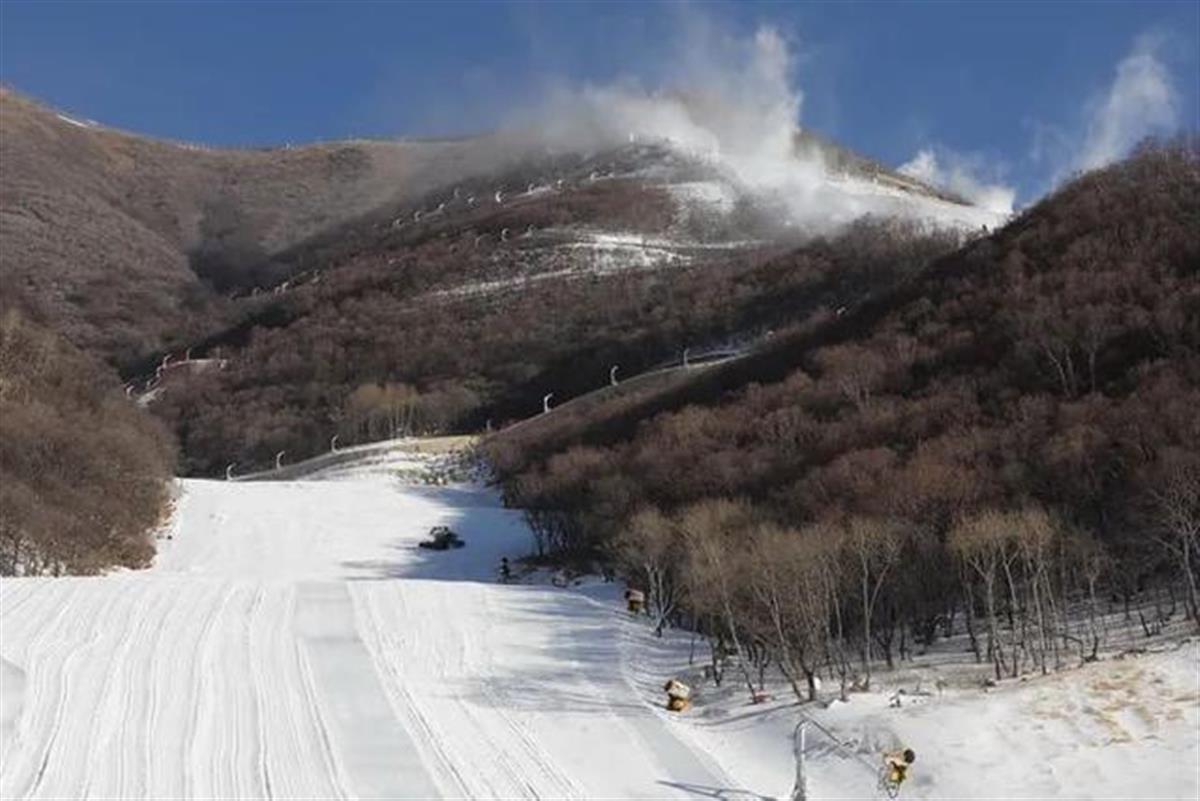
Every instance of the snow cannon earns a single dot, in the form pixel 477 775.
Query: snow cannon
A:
pixel 635 601
pixel 895 770
pixel 679 695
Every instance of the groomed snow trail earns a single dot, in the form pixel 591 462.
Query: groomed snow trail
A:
pixel 292 642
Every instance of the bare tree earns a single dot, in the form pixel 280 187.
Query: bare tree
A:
pixel 1034 536
pixel 652 546
pixel 1176 506
pixel 979 542
pixel 717 566
pixel 789 586
pixel 856 371
pixel 873 547
pixel 1093 563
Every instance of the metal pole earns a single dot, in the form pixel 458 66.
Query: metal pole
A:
pixel 800 788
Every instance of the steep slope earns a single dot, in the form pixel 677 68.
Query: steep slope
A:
pixel 315 273
pixel 475 300
pixel 111 238
pixel 444 324
pixel 131 246
pixel 127 244
pixel 1054 365
pixel 83 473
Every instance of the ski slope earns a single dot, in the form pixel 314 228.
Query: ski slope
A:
pixel 292 642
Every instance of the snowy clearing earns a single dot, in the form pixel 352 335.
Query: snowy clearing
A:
pixel 292 641
pixel 1127 728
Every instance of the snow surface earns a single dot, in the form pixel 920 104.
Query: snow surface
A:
pixel 716 196
pixel 292 641
pixel 1122 729
pixel 845 199
pixel 590 254
pixel 878 197
pixel 75 122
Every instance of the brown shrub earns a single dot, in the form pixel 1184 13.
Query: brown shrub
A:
pixel 84 473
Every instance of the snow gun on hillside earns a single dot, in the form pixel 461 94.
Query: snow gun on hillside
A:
pixel 895 770
pixel 635 601
pixel 679 695
pixel 891 774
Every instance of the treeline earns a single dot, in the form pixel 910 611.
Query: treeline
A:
pixel 1002 445
pixel 84 473
pixel 401 313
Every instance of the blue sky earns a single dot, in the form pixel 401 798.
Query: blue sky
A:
pixel 1011 93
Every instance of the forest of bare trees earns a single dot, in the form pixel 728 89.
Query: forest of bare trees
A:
pixel 328 368
pixel 84 474
pixel 1003 449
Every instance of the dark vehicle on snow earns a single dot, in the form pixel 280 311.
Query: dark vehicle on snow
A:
pixel 441 538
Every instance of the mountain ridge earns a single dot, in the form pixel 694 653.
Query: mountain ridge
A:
pixel 98 220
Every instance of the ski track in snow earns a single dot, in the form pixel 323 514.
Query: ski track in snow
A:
pixel 292 642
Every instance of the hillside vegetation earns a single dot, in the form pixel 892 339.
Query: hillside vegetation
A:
pixel 266 300
pixel 130 245
pixel 84 473
pixel 1008 435
pixel 387 344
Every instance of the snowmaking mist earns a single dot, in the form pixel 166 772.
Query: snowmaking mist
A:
pixel 730 103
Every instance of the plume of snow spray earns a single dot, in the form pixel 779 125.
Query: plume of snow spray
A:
pixel 732 103
pixel 960 174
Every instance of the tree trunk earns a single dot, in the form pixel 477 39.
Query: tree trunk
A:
pixel 1190 575
pixel 866 655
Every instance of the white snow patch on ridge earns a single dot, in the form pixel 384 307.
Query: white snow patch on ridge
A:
pixel 75 122
pixel 716 196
